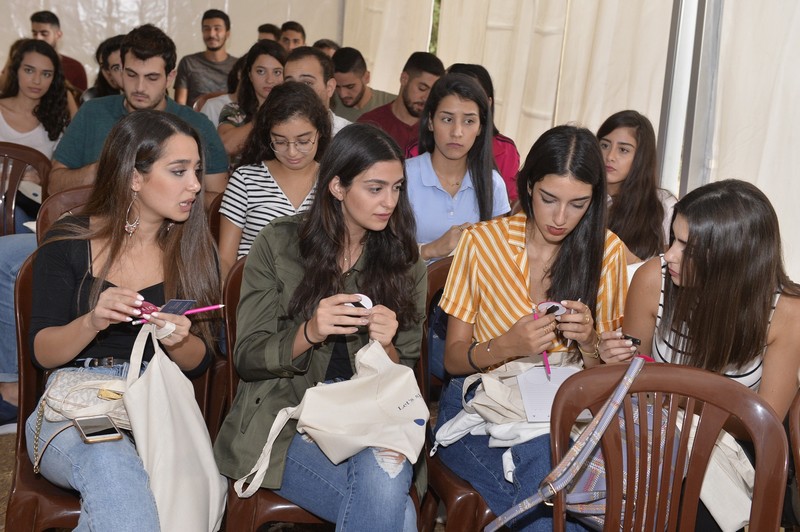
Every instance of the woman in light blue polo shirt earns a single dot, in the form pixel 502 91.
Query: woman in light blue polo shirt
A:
pixel 453 184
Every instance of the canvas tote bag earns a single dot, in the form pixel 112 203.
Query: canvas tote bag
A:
pixel 381 406
pixel 173 442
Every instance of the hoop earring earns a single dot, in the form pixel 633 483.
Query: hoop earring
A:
pixel 130 227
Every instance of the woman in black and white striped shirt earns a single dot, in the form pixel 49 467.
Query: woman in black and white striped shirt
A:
pixel 279 168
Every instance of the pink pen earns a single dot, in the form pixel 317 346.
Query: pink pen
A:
pixel 190 311
pixel 544 353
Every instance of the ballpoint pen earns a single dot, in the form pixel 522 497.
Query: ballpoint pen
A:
pixel 190 311
pixel 544 353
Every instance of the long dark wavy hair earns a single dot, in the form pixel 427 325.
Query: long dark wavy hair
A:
pixel 52 111
pixel 637 214
pixel 480 160
pixel 571 151
pixel 246 94
pixel 389 254
pixel 286 101
pixel 731 268
pixel 190 263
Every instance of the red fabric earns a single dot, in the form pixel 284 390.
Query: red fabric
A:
pixel 74 72
pixel 384 118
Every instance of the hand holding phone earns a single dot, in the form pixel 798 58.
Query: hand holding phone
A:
pixel 95 429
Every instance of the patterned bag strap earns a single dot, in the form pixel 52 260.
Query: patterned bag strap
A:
pixel 578 454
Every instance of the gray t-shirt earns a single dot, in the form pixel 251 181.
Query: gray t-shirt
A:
pixel 351 113
pixel 202 76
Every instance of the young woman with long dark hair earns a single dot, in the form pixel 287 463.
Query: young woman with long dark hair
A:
pixel 297 327
pixel 452 183
pixel 262 71
pixel 142 236
pixel 639 211
pixel 556 249
pixel 279 167
pixel 719 299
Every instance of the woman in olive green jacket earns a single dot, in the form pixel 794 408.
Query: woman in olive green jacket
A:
pixel 297 326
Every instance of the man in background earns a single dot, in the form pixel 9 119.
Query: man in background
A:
pixel 269 32
pixel 293 35
pixel 400 118
pixel 311 66
pixel 46 27
pixel 206 71
pixel 354 96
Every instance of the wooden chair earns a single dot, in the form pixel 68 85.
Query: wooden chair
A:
pixel 264 506
pixel 14 160
pixel 466 510
pixel 716 400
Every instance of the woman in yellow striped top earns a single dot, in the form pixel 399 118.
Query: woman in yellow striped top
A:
pixel 557 249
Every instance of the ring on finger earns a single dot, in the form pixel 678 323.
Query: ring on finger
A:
pixel 586 319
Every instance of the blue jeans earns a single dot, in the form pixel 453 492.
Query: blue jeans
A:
pixel 472 459
pixel 368 491
pixel 14 249
pixel 110 476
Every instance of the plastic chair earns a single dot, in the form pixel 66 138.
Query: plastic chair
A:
pixel 794 441
pixel 264 506
pixel 466 509
pixel 60 203
pixel 14 160
pixel 716 400
pixel 203 98
pixel 212 211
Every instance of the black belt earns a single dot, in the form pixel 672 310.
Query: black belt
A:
pixel 105 362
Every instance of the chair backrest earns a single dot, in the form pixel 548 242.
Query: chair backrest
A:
pixel 14 160
pixel 794 441
pixel 60 203
pixel 715 400
pixel 230 298
pixel 212 211
pixel 437 276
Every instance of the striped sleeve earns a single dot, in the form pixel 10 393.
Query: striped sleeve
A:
pixel 234 200
pixel 461 298
pixel 613 285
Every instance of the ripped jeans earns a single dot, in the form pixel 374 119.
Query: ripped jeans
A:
pixel 368 491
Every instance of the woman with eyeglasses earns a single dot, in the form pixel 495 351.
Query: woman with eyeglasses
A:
pixel 279 167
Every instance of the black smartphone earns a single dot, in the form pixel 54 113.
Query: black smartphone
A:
pixel 177 306
pixel 633 339
pixel 95 429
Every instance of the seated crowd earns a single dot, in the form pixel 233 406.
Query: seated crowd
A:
pixel 335 190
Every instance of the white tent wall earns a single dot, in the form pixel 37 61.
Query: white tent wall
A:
pixel 552 61
pixel 757 111
pixel 85 23
pixel 556 61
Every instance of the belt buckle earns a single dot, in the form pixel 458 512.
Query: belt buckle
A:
pixel 106 362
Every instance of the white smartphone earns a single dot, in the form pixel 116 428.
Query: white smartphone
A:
pixel 95 429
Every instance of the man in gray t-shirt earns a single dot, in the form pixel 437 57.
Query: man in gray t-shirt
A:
pixel 207 71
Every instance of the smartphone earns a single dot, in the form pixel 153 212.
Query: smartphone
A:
pixel 95 429
pixel 633 339
pixel 177 306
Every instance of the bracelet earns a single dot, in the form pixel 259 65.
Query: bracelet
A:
pixel 305 333
pixel 594 354
pixel 470 351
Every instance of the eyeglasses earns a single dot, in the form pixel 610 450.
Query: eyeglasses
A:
pixel 303 146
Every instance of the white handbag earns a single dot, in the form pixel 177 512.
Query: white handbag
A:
pixel 173 442
pixel 381 406
pixel 75 393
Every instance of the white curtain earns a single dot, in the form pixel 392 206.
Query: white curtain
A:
pixel 559 61
pixel 757 111
pixel 386 32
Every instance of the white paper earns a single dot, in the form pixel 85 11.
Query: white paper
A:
pixel 538 392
